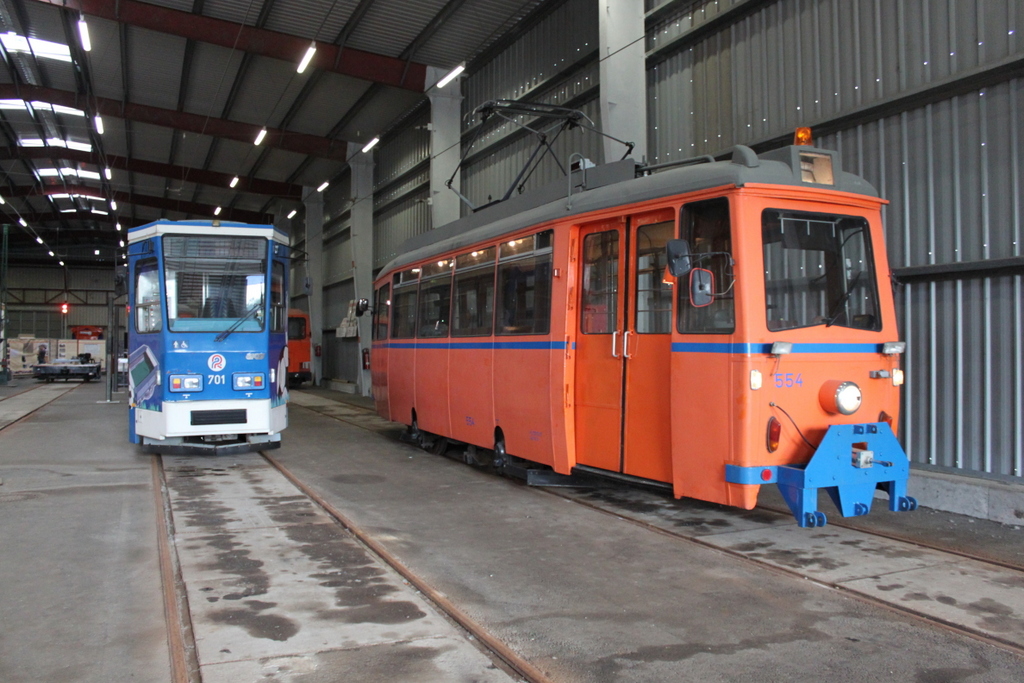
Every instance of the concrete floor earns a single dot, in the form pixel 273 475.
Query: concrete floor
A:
pixel 582 594
pixel 80 597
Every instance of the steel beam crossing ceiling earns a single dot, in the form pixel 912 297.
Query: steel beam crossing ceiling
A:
pixel 157 116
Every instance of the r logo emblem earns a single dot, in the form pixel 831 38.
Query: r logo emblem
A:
pixel 216 362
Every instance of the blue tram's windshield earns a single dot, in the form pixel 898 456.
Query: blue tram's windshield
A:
pixel 818 270
pixel 213 281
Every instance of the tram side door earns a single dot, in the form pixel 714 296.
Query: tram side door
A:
pixel 647 349
pixel 599 338
pixel 623 342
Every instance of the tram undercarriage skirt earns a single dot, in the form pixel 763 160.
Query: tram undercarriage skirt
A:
pixel 852 462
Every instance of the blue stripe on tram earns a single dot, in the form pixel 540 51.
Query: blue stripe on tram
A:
pixel 747 349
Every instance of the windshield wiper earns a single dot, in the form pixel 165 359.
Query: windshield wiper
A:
pixel 837 307
pixel 235 325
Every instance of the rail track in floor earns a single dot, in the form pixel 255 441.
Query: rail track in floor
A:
pixel 896 569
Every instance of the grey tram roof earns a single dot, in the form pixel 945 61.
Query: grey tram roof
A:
pixel 616 184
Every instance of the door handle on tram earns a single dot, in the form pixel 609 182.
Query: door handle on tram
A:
pixel 615 336
pixel 625 345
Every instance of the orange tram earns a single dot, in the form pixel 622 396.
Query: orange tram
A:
pixel 715 327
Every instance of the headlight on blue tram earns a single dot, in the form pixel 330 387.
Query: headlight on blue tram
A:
pixel 248 381
pixel 185 383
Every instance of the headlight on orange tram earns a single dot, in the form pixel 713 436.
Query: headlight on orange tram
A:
pixel 839 397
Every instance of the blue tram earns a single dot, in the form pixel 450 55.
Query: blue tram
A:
pixel 207 336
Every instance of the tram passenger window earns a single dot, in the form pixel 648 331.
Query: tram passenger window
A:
pixel 296 328
pixel 435 299
pixel 524 285
pixel 473 305
pixel 600 291
pixel 148 315
pixel 382 312
pixel 278 311
pixel 706 226
pixel 403 308
pixel 653 295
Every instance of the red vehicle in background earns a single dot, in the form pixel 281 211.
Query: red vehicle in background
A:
pixel 299 349
pixel 86 332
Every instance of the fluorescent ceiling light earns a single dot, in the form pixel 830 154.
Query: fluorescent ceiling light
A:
pixel 101 212
pixel 259 137
pixel 80 146
pixel 113 205
pixel 452 75
pixel 292 214
pixel 60 262
pixel 307 57
pixel 96 252
pixel 89 175
pixel 12 104
pixel 216 212
pixel 61 109
pixel 23 223
pixel 2 201
pixel 370 145
pixel 83 32
pixel 122 243
pixel 51 253
pixel 39 239
pixel 323 186
pixel 40 48
pixel 99 124
pixel 108 173
pixel 118 227
pixel 234 181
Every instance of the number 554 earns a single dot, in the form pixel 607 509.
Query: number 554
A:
pixel 789 380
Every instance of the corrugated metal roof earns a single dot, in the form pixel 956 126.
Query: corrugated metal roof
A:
pixel 329 100
pixel 280 165
pixel 313 19
pixel 269 88
pixel 381 31
pixel 236 11
pixel 472 30
pixel 159 67
pixel 209 83
pixel 105 59
pixel 154 67
pixel 150 142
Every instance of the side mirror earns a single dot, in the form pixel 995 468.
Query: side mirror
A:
pixel 362 306
pixel 678 257
pixel 120 280
pixel 702 287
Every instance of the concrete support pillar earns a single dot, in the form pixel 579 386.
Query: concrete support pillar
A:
pixel 361 166
pixel 623 77
pixel 445 147
pixel 314 203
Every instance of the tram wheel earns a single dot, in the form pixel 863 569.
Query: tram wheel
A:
pixel 440 446
pixel 500 454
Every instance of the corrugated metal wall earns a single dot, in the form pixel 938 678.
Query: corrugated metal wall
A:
pixel 401 186
pixel 912 94
pixel 35 294
pixel 555 63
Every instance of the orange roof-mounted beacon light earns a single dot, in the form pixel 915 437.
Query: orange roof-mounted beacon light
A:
pixel 803 137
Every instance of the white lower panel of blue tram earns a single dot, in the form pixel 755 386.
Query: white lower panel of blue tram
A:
pixel 211 426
